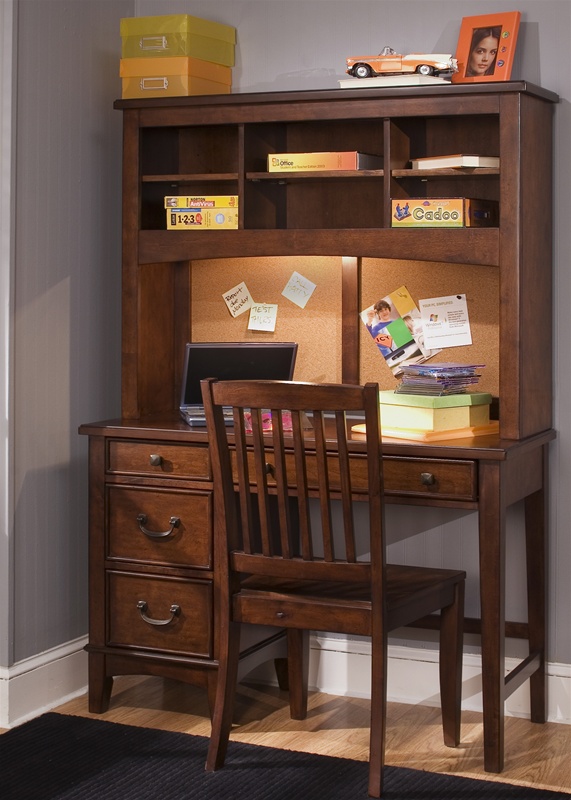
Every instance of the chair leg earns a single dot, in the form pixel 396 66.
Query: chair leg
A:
pixel 378 717
pixel 224 704
pixel 451 649
pixel 298 671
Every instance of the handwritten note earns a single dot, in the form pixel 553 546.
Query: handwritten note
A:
pixel 299 289
pixel 263 317
pixel 238 299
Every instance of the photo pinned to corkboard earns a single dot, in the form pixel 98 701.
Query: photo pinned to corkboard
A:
pixel 486 47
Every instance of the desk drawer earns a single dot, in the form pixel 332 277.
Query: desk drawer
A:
pixel 159 459
pixel 154 526
pixel 166 614
pixel 430 477
pixel 406 477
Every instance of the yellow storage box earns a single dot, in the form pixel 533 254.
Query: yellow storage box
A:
pixel 178 35
pixel 172 77
pixel 444 212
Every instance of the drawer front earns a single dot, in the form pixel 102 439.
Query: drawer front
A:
pixel 159 459
pixel 166 614
pixel 406 477
pixel 154 526
pixel 431 477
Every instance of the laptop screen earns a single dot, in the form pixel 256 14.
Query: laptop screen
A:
pixel 270 361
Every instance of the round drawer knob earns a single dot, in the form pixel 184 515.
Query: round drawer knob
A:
pixel 155 460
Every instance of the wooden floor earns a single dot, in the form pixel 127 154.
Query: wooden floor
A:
pixel 536 755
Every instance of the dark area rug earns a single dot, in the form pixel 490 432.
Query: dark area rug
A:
pixel 60 756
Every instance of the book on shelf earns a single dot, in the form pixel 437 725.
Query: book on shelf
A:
pixel 455 161
pixel 314 162
pixel 383 81
pixel 434 413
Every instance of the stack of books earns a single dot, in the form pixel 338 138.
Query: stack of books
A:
pixel 175 55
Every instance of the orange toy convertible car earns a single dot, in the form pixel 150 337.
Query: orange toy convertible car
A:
pixel 390 63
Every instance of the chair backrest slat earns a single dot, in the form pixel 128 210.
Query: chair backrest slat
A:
pixel 280 475
pixel 304 518
pixel 324 487
pixel 244 489
pixel 345 479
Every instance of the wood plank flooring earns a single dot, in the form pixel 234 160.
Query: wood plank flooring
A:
pixel 536 755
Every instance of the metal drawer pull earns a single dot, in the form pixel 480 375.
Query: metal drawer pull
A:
pixel 174 612
pixel 427 479
pixel 155 460
pixel 174 522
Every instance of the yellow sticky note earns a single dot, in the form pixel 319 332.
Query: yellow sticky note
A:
pixel 263 317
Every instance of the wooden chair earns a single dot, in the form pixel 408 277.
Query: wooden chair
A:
pixel 286 564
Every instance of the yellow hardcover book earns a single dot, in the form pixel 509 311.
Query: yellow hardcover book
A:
pixel 434 419
pixel 204 201
pixel 314 162
pixel 197 219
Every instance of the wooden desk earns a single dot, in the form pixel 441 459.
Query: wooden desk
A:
pixel 151 482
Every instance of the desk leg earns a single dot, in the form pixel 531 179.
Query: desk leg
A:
pixel 535 530
pixel 492 537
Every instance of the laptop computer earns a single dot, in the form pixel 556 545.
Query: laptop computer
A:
pixel 271 361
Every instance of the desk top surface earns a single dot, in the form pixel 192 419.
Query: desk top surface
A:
pixel 173 429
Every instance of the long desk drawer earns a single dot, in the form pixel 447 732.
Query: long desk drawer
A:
pixel 159 459
pixel 157 526
pixel 164 614
pixel 403 476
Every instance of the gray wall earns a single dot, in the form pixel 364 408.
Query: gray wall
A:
pixel 65 343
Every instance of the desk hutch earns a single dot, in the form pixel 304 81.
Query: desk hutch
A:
pixel 152 574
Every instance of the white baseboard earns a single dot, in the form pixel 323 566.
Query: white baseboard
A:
pixel 342 667
pixel 40 683
pixel 337 666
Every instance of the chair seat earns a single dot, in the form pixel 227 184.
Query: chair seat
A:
pixel 412 592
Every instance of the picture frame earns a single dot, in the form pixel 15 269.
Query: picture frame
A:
pixel 480 59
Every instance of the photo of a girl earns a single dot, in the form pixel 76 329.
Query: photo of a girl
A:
pixel 483 51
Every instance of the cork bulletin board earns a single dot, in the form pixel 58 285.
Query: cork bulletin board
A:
pixel 317 327
pixel 425 279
